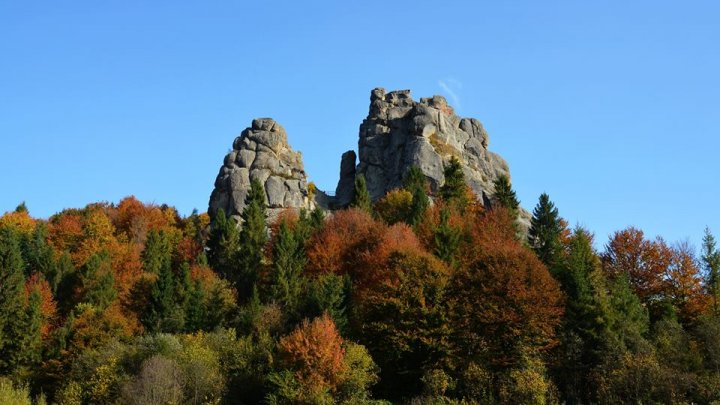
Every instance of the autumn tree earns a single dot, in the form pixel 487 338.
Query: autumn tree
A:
pixel 684 289
pixel 361 196
pixel 545 230
pixel 644 262
pixel 506 305
pixel 396 206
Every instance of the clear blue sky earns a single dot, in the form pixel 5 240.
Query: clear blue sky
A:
pixel 611 107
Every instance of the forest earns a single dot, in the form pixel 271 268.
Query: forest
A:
pixel 417 298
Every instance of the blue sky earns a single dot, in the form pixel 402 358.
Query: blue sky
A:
pixel 611 107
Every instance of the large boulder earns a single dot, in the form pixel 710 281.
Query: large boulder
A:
pixel 261 153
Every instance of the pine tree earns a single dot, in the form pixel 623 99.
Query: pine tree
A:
pixel 416 183
pixel 545 230
pixel 12 283
pixel 288 264
pixel 361 197
pixel 223 245
pixel 447 238
pixel 253 238
pixel 454 190
pixel 505 196
pixel 711 263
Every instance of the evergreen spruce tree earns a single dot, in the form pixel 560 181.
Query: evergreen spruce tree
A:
pixel 361 197
pixel 253 237
pixel 96 281
pixel 454 190
pixel 288 264
pixel 584 334
pixel 447 238
pixel 711 262
pixel 12 307
pixel 39 258
pixel 195 309
pixel 223 244
pixel 505 196
pixel 32 345
pixel 416 183
pixel 157 252
pixel 161 310
pixel 545 230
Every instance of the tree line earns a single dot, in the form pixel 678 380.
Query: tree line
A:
pixel 421 297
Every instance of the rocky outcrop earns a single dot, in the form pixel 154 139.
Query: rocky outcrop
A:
pixel 399 133
pixel 261 152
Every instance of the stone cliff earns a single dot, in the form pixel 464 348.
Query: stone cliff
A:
pixel 397 134
pixel 261 152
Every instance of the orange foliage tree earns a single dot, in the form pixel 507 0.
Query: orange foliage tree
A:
pixel 48 308
pixel 645 263
pixel 352 242
pixel 314 352
pixel 505 304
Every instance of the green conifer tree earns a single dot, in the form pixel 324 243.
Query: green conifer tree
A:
pixel 157 252
pixel 361 197
pixel 545 230
pixel 447 238
pixel 416 183
pixel 223 244
pixel 160 315
pixel 32 345
pixel 584 334
pixel 96 281
pixel 253 237
pixel 710 258
pixel 505 196
pixel 12 307
pixel 454 190
pixel 288 264
pixel 195 309
pixel 39 256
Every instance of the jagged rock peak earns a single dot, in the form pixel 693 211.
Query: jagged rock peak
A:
pixel 261 152
pixel 399 133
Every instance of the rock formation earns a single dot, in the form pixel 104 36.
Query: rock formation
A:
pixel 261 152
pixel 399 133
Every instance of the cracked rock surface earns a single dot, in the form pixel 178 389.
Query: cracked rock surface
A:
pixel 399 133
pixel 261 152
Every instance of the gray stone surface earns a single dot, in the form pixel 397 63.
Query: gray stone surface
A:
pixel 400 132
pixel 346 185
pixel 397 134
pixel 261 152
